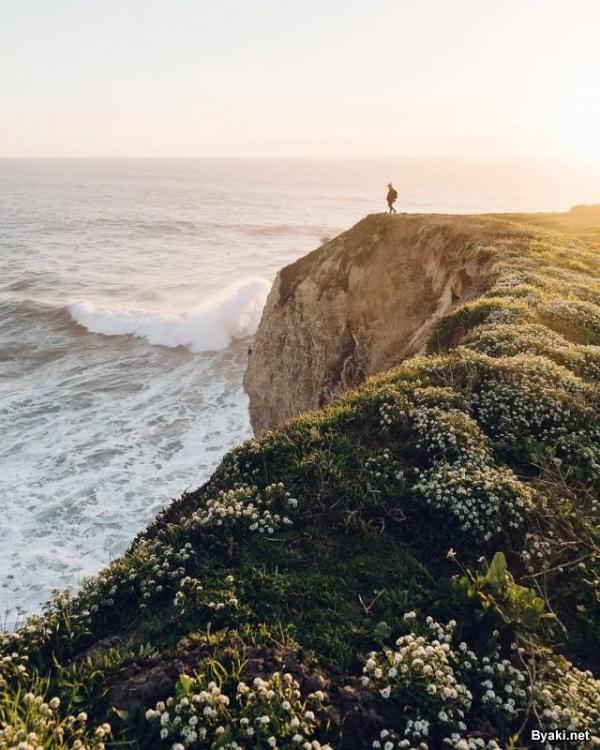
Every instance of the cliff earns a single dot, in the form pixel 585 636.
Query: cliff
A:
pixel 415 565
pixel 359 304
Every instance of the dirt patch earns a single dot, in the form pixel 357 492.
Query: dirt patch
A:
pixel 354 715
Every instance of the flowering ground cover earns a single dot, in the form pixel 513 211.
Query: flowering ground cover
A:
pixel 415 566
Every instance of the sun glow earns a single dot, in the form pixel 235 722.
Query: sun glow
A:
pixel 469 79
pixel 576 124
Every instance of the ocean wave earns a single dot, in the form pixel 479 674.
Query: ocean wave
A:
pixel 208 228
pixel 30 311
pixel 232 313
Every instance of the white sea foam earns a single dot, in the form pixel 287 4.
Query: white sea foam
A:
pixel 232 313
pixel 107 446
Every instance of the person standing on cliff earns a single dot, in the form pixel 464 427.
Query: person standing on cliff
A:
pixel 391 197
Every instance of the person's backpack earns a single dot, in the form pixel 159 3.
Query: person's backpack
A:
pixel 393 194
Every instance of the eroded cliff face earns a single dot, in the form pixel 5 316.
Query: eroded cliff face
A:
pixel 359 304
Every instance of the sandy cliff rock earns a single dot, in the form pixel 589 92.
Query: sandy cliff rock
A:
pixel 358 304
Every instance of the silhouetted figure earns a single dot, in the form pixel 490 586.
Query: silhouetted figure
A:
pixel 391 197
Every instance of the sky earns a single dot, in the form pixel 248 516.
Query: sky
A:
pixel 192 78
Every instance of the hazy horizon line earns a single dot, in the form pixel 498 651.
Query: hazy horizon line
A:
pixel 297 157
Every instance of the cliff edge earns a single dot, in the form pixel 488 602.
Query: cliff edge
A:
pixel 416 565
pixel 360 303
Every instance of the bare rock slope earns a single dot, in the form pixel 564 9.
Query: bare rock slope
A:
pixel 357 305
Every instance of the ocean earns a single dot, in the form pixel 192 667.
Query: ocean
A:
pixel 129 290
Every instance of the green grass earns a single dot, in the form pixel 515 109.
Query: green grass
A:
pixel 378 506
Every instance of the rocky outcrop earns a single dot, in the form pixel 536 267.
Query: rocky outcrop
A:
pixel 357 305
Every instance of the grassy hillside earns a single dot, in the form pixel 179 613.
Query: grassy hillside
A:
pixel 416 566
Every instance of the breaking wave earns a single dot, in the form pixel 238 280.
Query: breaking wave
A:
pixel 232 313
